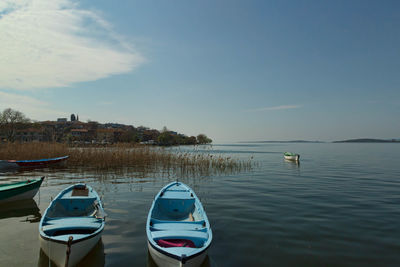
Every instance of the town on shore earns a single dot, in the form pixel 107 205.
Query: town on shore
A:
pixel 16 127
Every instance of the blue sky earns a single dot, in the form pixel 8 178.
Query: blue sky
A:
pixel 234 70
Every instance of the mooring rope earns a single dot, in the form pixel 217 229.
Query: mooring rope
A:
pixel 69 244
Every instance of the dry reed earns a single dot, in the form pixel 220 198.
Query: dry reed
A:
pixel 123 155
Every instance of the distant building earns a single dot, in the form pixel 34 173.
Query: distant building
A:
pixel 149 142
pixel 73 117
pixel 80 134
pixel 31 134
pixel 108 135
pixel 114 125
pixel 62 120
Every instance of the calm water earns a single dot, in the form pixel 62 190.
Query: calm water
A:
pixel 339 207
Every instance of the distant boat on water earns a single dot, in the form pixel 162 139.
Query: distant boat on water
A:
pixel 19 190
pixel 291 156
pixel 15 164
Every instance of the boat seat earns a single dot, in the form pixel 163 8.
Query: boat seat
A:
pixel 71 223
pixel 191 226
pixel 76 199
pixel 177 195
pixel 172 234
pixel 154 220
pixel 181 250
pixel 72 220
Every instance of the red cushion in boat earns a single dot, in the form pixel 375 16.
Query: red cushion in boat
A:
pixel 167 243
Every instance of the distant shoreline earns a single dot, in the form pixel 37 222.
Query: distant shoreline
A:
pixel 359 140
pixel 293 141
pixel 368 140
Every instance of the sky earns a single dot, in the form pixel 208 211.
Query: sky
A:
pixel 233 70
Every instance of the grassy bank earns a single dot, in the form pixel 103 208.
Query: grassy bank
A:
pixel 122 155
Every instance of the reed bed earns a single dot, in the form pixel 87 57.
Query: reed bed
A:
pixel 139 157
pixel 27 151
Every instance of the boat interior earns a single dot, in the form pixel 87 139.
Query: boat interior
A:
pixel 78 201
pixel 73 207
pixel 72 213
pixel 176 216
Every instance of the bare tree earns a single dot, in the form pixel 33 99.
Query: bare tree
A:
pixel 10 121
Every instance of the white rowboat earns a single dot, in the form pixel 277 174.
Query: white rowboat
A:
pixel 72 225
pixel 178 230
pixel 291 156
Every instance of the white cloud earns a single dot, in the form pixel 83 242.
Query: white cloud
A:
pixel 53 43
pixel 31 107
pixel 283 107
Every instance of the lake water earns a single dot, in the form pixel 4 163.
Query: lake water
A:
pixel 339 207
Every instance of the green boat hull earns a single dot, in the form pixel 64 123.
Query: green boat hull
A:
pixel 19 190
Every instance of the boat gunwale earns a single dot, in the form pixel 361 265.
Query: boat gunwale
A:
pixel 290 154
pixel 38 160
pixel 22 184
pixel 74 241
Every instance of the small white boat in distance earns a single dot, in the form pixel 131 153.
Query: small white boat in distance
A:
pixel 291 156
pixel 72 225
pixel 178 230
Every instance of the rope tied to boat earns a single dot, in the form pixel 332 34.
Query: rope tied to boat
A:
pixel 183 259
pixel 69 244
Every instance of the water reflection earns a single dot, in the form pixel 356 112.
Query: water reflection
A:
pixel 292 163
pixel 23 208
pixel 95 258
pixel 206 262
pixel 19 170
pixel 303 210
pixel 6 172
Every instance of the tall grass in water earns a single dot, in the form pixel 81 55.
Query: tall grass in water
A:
pixel 144 158
pixel 27 151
